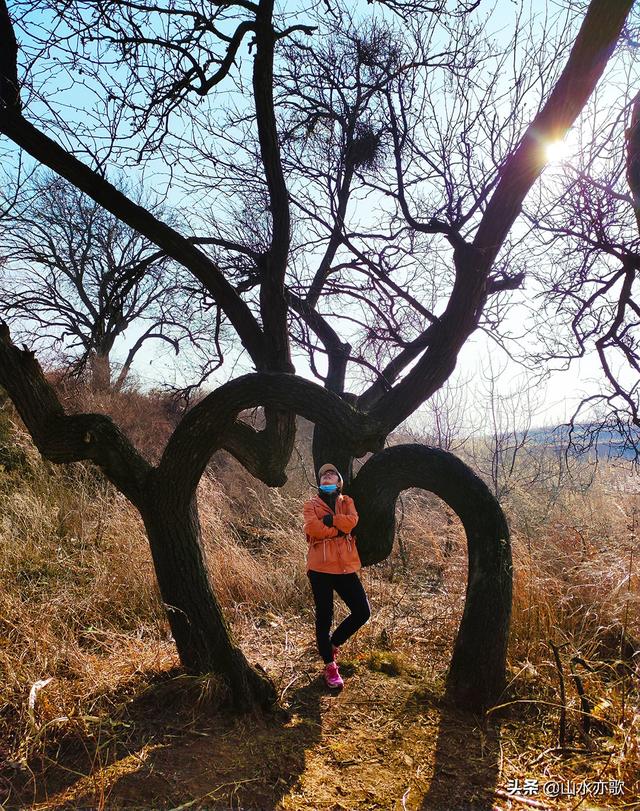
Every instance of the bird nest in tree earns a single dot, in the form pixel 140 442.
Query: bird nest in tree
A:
pixel 365 150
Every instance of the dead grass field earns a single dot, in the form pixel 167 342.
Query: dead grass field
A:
pixel 95 713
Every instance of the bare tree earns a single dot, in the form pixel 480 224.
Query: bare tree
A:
pixel 304 260
pixel 587 261
pixel 77 278
pixel 444 421
pixel 507 452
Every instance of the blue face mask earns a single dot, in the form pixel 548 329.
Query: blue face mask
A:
pixel 328 488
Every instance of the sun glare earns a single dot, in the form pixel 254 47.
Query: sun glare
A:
pixel 556 151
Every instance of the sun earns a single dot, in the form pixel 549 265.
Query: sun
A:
pixel 556 151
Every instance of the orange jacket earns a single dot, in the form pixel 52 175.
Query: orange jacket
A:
pixel 329 550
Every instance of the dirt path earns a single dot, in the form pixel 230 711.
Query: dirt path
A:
pixel 388 741
pixel 372 746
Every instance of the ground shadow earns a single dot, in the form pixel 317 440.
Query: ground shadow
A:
pixel 466 765
pixel 177 752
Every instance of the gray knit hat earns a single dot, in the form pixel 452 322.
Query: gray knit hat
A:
pixel 327 467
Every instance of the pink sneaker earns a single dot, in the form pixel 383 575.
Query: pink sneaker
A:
pixel 332 677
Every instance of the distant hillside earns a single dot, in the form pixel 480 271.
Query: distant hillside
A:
pixel 590 438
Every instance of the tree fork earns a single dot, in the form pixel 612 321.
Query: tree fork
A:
pixel 476 675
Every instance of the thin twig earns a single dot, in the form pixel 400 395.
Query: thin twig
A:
pixel 215 791
pixel 518 799
pixel 562 732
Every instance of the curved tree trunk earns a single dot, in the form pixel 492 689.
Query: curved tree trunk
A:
pixel 201 633
pixel 477 672
pixel 325 449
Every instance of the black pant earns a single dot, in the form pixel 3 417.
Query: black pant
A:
pixel 351 591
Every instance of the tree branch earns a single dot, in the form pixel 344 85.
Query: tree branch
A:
pixel 273 307
pixel 338 353
pixel 65 438
pixel 172 243
pixel 9 86
pixel 263 453
pixel 45 150
pixel 203 430
pixel 594 45
pixel 633 157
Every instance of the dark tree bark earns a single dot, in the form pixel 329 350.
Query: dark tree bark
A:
pixel 326 449
pixel 477 673
pixel 100 366
pixel 202 635
pixel 328 446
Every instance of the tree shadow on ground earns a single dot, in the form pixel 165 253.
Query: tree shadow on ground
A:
pixel 466 763
pixel 177 752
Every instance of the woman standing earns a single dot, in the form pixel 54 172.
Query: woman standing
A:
pixel 332 565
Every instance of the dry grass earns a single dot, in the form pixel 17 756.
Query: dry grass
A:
pixel 256 551
pixel 576 587
pixel 147 419
pixel 78 585
pixel 79 603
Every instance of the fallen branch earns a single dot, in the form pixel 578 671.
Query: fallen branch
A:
pixel 516 798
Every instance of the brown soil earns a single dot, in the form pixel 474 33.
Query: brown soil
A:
pixel 387 741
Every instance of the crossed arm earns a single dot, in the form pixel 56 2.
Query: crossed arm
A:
pixel 342 523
